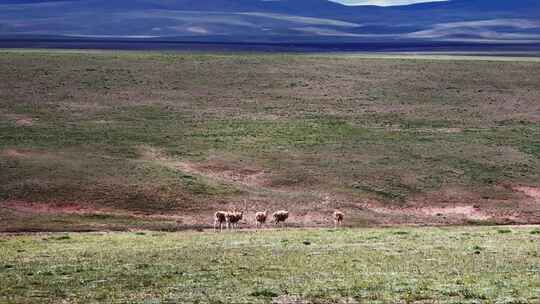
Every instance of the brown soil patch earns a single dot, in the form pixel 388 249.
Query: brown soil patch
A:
pixel 13 153
pixel 56 208
pixel 19 153
pixel 533 192
pixel 59 208
pixel 453 205
pixel 24 122
pixel 431 214
pixel 469 212
pixel 220 172
pixel 20 120
pixel 215 169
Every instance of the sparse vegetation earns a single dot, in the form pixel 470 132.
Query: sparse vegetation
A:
pixel 137 134
pixel 427 265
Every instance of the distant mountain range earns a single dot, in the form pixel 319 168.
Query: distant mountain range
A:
pixel 486 21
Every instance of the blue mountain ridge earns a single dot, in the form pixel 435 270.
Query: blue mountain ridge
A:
pixel 493 21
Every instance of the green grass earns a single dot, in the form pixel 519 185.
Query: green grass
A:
pixel 405 265
pixel 359 128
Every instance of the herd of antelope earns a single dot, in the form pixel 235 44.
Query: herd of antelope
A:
pixel 230 219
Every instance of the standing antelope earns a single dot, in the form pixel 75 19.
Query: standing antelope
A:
pixel 233 218
pixel 338 218
pixel 261 217
pixel 280 216
pixel 220 218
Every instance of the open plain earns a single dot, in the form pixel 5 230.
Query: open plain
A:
pixel 293 266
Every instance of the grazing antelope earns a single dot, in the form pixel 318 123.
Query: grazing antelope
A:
pixel 220 218
pixel 261 217
pixel 280 216
pixel 338 218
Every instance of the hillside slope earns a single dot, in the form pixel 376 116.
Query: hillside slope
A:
pixel 114 140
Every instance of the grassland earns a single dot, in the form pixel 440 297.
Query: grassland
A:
pixel 398 265
pixel 105 140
